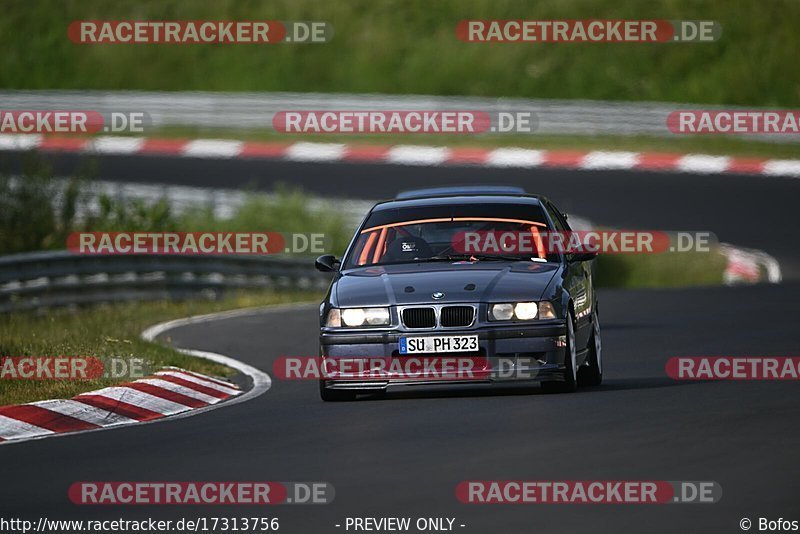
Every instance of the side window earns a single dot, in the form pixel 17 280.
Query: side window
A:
pixel 558 220
pixel 563 219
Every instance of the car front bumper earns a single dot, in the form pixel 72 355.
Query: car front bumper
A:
pixel 512 352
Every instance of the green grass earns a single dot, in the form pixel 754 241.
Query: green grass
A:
pixel 110 331
pixel 671 269
pixel 702 144
pixel 409 46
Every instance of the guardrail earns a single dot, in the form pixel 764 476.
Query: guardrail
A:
pixel 255 110
pixel 62 278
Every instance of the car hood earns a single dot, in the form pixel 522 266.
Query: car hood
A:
pixel 466 282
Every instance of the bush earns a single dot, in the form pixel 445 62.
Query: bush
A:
pixel 38 212
pixel 29 217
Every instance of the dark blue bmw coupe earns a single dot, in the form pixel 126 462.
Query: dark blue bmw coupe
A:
pixel 410 295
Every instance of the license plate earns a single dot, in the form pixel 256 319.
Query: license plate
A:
pixel 438 344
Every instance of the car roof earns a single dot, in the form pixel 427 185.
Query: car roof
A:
pixel 460 190
pixel 459 198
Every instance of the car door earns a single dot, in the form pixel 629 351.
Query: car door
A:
pixel 577 281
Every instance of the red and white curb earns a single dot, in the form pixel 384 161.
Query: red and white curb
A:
pixel 405 154
pixel 168 392
pixel 167 395
pixel 749 266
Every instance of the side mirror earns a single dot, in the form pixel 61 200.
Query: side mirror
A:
pixel 585 256
pixel 327 263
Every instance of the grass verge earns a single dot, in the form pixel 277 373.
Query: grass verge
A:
pixel 670 269
pixel 411 48
pixel 110 331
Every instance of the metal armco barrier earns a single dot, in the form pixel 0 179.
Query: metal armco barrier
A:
pixel 255 110
pixel 61 278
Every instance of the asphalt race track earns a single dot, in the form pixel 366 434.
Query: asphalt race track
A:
pixel 748 211
pixel 405 454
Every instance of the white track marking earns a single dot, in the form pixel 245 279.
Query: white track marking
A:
pixel 782 167
pixel 177 388
pixel 19 141
pixel 140 399
pixel 84 412
pixel 261 381
pixel 213 148
pixel 151 333
pixel 216 380
pixel 515 157
pixel 417 155
pixel 115 145
pixel 13 429
pixel 610 160
pixel 200 382
pixel 703 164
pixel 315 151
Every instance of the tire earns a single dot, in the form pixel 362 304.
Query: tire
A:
pixel 592 374
pixel 570 382
pixel 335 395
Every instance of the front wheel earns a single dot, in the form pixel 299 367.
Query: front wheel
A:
pixel 570 382
pixel 592 373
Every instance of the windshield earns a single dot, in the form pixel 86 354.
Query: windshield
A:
pixel 449 239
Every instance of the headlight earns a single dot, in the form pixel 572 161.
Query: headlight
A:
pixel 334 317
pixel 522 311
pixel 358 317
pixel 501 312
pixel 525 311
pixel 546 310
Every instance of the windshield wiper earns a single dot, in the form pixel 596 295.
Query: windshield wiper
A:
pixel 480 257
